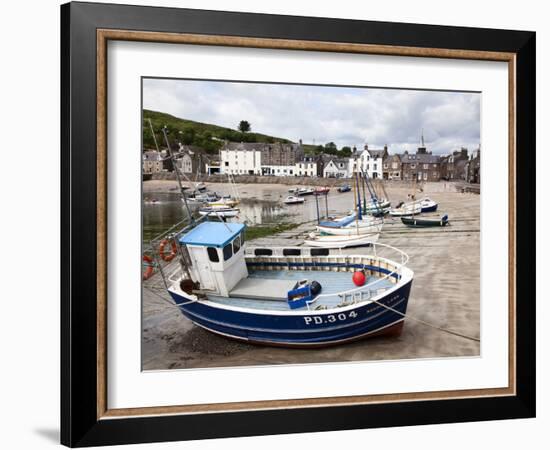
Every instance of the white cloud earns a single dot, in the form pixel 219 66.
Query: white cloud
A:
pixel 346 116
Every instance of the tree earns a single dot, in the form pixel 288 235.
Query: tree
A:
pixel 244 126
pixel 345 151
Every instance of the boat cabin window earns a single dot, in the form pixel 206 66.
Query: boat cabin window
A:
pixel 237 244
pixel 263 252
pixel 291 252
pixel 213 254
pixel 227 252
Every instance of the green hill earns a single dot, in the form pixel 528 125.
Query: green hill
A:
pixel 189 132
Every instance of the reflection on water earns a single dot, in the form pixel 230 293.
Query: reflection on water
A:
pixel 259 205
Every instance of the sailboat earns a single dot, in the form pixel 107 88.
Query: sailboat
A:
pixel 352 231
pixel 353 224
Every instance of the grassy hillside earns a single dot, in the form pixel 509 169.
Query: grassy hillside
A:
pixel 196 133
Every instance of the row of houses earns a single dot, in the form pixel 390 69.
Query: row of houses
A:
pixel 288 159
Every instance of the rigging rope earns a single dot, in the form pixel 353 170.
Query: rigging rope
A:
pixel 423 322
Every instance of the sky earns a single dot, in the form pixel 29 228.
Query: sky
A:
pixel 347 116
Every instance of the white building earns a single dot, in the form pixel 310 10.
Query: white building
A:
pixel 336 168
pixel 306 168
pixel 279 171
pixel 241 159
pixel 370 161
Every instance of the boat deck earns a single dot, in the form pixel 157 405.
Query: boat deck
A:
pixel 331 282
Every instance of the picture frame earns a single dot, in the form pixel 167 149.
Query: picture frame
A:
pixel 86 28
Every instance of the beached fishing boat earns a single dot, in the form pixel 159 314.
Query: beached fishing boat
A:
pixel 416 222
pixel 294 297
pixel 332 241
pixel 406 209
pixel 219 211
pixel 344 188
pixel 293 200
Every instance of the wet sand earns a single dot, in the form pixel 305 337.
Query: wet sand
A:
pixel 445 292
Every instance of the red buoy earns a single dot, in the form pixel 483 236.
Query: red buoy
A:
pixel 358 278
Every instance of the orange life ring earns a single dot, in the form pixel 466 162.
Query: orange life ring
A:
pixel 173 250
pixel 148 263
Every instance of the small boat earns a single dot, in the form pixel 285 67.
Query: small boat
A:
pixel 344 188
pixel 304 191
pixel 428 205
pixel 331 241
pixel 367 224
pixel 292 190
pixel 295 297
pixel 293 200
pixel 321 191
pixel 406 209
pixel 201 187
pixel 219 211
pixel 224 201
pixel 377 207
pixel 203 197
pixel 415 222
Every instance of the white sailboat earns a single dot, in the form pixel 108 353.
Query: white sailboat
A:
pixel 331 241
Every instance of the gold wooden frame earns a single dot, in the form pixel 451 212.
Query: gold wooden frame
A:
pixel 104 35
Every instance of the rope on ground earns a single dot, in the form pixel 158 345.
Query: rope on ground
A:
pixel 423 322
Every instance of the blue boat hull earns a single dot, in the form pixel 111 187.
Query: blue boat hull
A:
pixel 430 208
pixel 310 329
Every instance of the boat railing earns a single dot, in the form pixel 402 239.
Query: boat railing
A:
pixel 363 292
pixel 171 269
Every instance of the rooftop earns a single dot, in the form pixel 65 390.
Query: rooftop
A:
pixel 420 158
pixel 212 234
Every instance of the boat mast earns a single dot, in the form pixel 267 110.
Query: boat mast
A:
pixel 153 133
pixel 175 167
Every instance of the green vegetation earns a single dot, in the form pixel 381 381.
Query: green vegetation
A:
pixel 329 148
pixel 259 231
pixel 188 132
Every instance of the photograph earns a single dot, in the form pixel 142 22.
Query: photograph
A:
pixel 287 224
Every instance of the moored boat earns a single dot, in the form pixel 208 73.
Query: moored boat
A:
pixel 344 188
pixel 332 241
pixel 304 191
pixel 293 200
pixel 417 222
pixel 219 211
pixel 321 191
pixel 406 209
pixel 377 207
pixel 286 297
pixel 428 205
pixel 367 224
pixel 224 201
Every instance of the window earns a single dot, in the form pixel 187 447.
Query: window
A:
pixel 213 254
pixel 226 163
pixel 227 252
pixel 413 166
pixel 426 166
pixel 375 166
pixel 237 244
